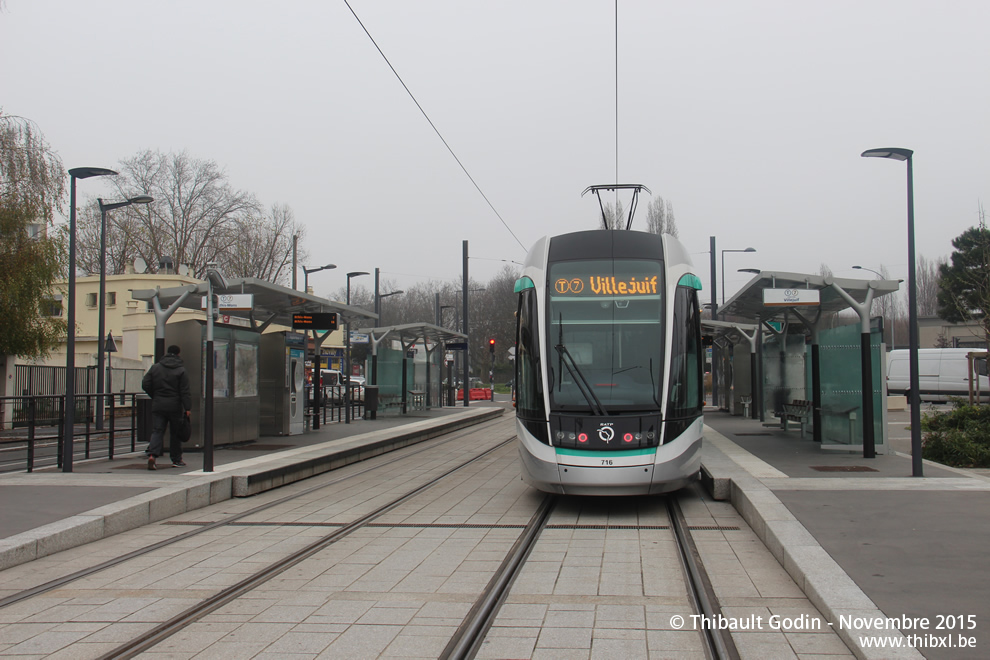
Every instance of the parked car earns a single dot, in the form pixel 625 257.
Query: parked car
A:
pixel 357 388
pixel 333 386
pixel 942 372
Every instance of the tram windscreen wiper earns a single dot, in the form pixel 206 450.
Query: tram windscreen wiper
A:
pixel 580 381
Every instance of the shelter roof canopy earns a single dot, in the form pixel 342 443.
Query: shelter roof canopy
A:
pixel 747 303
pixel 273 303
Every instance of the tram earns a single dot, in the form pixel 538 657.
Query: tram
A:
pixel 609 386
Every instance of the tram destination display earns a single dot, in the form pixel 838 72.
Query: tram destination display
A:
pixel 315 321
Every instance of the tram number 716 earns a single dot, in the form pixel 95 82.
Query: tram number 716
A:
pixel 606 461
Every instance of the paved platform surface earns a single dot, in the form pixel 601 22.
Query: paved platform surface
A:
pixel 860 536
pixel 48 510
pixel 915 546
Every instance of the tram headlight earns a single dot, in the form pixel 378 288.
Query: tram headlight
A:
pixel 560 435
pixel 650 435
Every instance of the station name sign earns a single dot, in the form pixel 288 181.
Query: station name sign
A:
pixel 231 302
pixel 791 297
pixel 607 285
pixel 315 321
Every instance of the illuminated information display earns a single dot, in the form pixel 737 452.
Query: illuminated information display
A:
pixel 606 285
pixel 316 321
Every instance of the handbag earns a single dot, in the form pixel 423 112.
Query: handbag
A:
pixel 184 429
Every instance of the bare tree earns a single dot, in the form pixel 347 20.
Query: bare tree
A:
pixel 264 250
pixel 197 216
pixel 614 216
pixel 926 278
pixel 660 217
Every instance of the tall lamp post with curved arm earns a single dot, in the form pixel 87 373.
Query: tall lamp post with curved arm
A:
pixel 70 341
pixel 897 153
pixel 307 271
pixel 101 332
pixel 749 249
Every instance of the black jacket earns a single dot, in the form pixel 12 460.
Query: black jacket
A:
pixel 168 385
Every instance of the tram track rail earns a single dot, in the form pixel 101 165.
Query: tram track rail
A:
pixel 466 642
pixel 65 580
pixel 471 633
pixel 718 644
pixel 165 630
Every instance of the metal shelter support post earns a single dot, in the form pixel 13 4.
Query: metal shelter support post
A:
pixel 869 439
pixel 429 357
pixel 208 407
pixel 406 347
pixel 781 335
pixel 317 383
pixel 161 318
pixel 752 368
pixel 317 378
pixel 816 373
pixel 758 394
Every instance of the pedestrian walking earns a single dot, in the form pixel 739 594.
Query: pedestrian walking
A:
pixel 168 386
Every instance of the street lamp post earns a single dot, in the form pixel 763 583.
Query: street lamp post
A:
pixel 101 333
pixel 347 351
pixel 70 341
pixel 307 271
pixel 749 249
pixel 914 396
pixel 464 355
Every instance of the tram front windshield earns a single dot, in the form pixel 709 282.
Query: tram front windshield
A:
pixel 605 335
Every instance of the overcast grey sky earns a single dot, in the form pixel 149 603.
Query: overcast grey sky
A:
pixel 748 116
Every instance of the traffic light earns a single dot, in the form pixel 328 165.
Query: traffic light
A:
pixel 491 346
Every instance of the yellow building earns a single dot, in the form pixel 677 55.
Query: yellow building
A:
pixel 131 322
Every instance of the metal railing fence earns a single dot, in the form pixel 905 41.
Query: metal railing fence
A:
pixel 38 423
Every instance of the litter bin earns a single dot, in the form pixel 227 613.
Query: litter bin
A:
pixel 371 401
pixel 143 418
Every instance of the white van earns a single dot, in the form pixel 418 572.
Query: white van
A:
pixel 942 373
pixel 330 377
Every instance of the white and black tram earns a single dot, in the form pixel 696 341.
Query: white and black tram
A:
pixel 609 387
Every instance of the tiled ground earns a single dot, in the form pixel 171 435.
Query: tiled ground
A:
pixel 587 593
pixel 400 588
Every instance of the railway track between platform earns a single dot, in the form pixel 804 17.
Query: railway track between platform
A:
pixel 466 643
pixel 475 626
pixel 168 628
pixel 235 518
pixel 717 643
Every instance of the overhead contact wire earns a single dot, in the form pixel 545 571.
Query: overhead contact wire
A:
pixel 435 129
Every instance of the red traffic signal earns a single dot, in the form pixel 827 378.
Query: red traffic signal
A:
pixel 491 345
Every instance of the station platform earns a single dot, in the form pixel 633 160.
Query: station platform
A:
pixel 860 537
pixel 860 534
pixel 47 511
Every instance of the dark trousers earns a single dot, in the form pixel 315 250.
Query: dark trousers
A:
pixel 157 445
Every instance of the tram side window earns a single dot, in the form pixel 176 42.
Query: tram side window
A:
pixel 529 385
pixel 685 398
